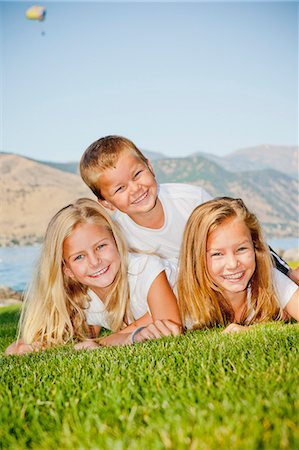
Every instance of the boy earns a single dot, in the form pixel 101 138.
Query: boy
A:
pixel 152 216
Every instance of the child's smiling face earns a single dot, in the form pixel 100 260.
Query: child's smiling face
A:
pixel 130 186
pixel 91 257
pixel 231 258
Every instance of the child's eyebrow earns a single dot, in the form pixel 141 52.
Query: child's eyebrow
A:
pixel 79 252
pixel 132 171
pixel 246 241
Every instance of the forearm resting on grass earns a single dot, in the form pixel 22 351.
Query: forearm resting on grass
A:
pixel 156 330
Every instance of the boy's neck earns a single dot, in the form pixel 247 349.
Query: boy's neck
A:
pixel 154 218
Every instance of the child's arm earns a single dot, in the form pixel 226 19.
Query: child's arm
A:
pixel 155 330
pixel 143 321
pixel 158 329
pixel 292 307
pixel 294 275
pixel 162 301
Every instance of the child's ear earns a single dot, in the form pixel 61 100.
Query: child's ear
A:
pixel 67 272
pixel 106 204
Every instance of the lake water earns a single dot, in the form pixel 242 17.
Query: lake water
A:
pixel 16 266
pixel 17 263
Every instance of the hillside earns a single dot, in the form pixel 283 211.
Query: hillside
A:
pixel 73 166
pixel 30 194
pixel 272 195
pixel 281 158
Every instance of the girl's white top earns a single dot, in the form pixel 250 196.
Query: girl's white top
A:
pixel 142 271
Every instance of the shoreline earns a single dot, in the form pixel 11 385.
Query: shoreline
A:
pixel 35 241
pixel 9 296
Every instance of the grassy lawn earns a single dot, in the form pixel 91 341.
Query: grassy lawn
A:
pixel 201 391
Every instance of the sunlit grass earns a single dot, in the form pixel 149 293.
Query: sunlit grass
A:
pixel 203 390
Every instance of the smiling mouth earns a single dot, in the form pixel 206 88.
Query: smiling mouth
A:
pixel 99 272
pixel 141 198
pixel 234 276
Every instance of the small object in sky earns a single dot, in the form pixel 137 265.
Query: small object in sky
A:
pixel 36 13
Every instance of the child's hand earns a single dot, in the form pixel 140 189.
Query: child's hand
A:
pixel 86 345
pixel 235 328
pixel 20 348
pixel 158 329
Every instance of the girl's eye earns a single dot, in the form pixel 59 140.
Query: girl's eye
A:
pixel 216 254
pixel 137 174
pixel 100 246
pixel 78 258
pixel 242 249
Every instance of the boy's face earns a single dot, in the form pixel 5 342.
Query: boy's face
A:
pixel 130 186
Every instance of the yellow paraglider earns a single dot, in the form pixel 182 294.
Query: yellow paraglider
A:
pixel 36 13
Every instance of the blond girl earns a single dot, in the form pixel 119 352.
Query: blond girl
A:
pixel 226 274
pixel 86 279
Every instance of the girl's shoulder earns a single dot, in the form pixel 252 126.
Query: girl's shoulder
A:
pixel 139 261
pixel 149 266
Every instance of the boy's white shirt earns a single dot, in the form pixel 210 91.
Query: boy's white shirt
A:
pixel 178 201
pixel 284 287
pixel 142 271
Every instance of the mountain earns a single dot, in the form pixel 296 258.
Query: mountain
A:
pixel 73 166
pixel 281 158
pixel 30 195
pixel 31 192
pixel 272 195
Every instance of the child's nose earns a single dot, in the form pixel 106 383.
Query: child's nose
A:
pixel 94 259
pixel 134 186
pixel 231 261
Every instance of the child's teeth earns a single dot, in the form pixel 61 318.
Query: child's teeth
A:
pixel 233 277
pixel 99 272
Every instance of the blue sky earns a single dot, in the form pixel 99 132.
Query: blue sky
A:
pixel 175 78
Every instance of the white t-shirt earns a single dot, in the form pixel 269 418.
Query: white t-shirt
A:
pixel 178 201
pixel 284 286
pixel 142 271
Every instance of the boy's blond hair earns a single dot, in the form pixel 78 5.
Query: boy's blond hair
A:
pixel 201 301
pixel 103 154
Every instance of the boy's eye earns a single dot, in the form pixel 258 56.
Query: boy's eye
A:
pixel 137 174
pixel 120 189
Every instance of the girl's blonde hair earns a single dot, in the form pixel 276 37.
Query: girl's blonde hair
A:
pixel 54 305
pixel 201 301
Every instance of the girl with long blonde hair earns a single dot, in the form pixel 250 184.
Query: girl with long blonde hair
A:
pixel 226 274
pixel 86 279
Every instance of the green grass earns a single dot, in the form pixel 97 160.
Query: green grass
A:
pixel 201 391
